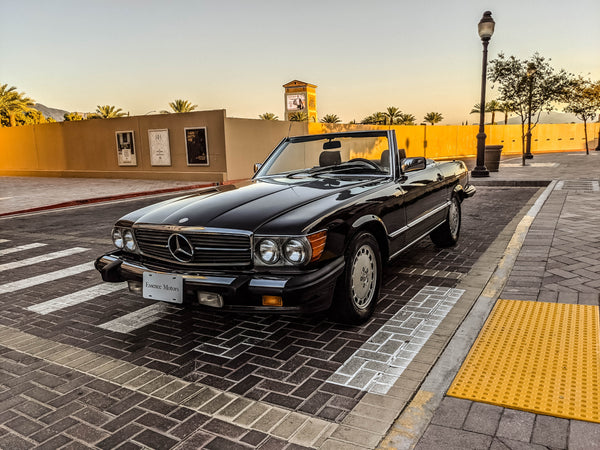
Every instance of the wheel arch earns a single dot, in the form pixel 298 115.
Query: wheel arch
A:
pixel 375 226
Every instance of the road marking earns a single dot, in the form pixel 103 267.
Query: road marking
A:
pixel 8 251
pixel 42 258
pixel 52 276
pixel 380 361
pixel 138 319
pixel 76 297
pixel 2 241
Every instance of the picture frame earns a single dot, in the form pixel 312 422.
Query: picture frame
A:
pixel 160 149
pixel 196 143
pixel 126 154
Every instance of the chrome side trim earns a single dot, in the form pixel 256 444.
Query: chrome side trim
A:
pixel 414 242
pixel 420 219
pixel 266 283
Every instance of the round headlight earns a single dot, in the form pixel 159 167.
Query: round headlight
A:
pixel 295 251
pixel 268 251
pixel 117 237
pixel 129 241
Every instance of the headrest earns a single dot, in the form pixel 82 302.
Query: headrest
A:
pixel 330 158
pixel 385 158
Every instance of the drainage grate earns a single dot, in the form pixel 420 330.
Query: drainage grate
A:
pixel 577 185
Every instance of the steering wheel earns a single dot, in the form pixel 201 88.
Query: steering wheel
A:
pixel 368 162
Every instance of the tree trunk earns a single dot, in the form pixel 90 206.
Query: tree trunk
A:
pixel 12 119
pixel 493 116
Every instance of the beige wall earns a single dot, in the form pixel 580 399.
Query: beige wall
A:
pixel 250 141
pixel 88 148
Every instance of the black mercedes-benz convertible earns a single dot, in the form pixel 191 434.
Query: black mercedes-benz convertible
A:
pixel 309 232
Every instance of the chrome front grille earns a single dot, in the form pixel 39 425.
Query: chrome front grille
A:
pixel 211 247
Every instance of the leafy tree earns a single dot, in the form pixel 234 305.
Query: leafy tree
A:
pixel 109 112
pixel 433 118
pixel 406 119
pixel 268 116
pixel 529 87
pixel 299 116
pixel 330 118
pixel 392 115
pixel 583 100
pixel 182 106
pixel 12 103
pixel 73 117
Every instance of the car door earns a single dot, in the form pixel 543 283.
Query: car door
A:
pixel 424 199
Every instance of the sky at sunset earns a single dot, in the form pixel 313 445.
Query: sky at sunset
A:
pixel 420 56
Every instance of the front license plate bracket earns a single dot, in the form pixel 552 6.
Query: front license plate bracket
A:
pixel 164 287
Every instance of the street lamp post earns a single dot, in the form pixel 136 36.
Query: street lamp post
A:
pixel 530 74
pixel 485 29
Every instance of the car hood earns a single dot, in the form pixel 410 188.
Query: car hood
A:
pixel 250 204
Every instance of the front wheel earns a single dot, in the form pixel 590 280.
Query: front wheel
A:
pixel 446 235
pixel 358 288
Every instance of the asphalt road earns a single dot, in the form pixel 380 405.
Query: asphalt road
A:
pixel 303 364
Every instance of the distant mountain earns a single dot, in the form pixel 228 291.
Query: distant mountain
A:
pixel 56 114
pixel 551 117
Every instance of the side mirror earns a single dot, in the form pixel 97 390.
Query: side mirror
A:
pixel 257 167
pixel 413 164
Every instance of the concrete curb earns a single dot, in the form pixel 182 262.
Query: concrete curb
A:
pixel 412 423
pixel 107 198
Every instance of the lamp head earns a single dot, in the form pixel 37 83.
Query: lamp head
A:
pixel 486 26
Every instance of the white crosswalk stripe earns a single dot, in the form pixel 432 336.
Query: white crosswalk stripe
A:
pixel 42 258
pixel 138 319
pixel 33 281
pixel 76 297
pixel 20 248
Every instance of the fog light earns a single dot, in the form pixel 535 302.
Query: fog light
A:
pixel 210 299
pixel 272 300
pixel 135 287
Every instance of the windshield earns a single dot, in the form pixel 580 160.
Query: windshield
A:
pixel 353 156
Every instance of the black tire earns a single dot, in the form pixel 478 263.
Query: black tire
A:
pixel 447 234
pixel 357 289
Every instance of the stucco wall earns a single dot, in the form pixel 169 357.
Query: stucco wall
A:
pixel 250 141
pixel 88 148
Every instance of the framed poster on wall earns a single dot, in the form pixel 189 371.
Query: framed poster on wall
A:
pixel 196 146
pixel 296 102
pixel 160 150
pixel 126 148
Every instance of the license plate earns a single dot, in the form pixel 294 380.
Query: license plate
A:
pixel 162 286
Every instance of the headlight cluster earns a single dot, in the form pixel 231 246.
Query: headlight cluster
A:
pixel 289 250
pixel 123 238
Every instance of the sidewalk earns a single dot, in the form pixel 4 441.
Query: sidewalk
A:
pixel 553 257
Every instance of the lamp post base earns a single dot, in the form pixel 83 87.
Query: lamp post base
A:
pixel 480 172
pixel 528 156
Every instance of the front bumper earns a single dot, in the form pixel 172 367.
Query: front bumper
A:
pixel 307 292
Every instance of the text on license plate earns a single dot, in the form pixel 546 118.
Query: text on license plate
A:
pixel 163 286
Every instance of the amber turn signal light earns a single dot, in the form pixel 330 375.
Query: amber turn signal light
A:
pixel 272 300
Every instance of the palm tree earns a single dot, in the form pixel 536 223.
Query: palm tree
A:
pixel 182 106
pixel 433 117
pixel 299 116
pixel 407 119
pixel 492 106
pixel 330 118
pixel 13 102
pixel 268 116
pixel 506 108
pixel 109 112
pixel 392 115
pixel 377 118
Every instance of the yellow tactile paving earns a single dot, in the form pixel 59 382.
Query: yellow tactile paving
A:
pixel 537 357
